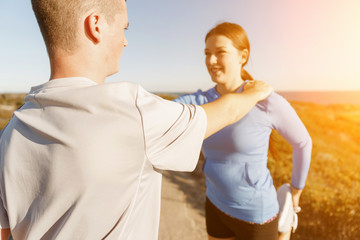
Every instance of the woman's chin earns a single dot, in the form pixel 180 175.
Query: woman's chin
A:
pixel 217 80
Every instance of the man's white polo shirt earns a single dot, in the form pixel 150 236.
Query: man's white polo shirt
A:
pixel 81 160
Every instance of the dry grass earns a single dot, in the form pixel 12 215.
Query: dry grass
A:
pixel 331 199
pixel 8 103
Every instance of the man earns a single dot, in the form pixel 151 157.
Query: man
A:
pixel 79 160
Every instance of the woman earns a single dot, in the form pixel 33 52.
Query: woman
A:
pixel 241 198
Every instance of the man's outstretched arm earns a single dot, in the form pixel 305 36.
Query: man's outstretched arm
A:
pixel 231 107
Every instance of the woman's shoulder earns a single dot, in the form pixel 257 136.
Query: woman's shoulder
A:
pixel 273 101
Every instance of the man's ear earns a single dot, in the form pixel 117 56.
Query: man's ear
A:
pixel 92 28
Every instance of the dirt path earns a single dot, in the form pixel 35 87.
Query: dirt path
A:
pixel 182 206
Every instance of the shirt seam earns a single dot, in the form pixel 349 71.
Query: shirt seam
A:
pixel 132 204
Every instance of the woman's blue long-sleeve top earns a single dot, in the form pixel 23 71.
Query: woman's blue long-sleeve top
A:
pixel 237 178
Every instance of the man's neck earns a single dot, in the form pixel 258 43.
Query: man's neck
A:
pixel 75 65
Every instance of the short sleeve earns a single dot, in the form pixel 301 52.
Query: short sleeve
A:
pixel 4 221
pixel 173 132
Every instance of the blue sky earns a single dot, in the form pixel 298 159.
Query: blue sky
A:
pixel 295 45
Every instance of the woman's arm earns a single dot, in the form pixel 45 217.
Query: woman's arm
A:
pixel 285 120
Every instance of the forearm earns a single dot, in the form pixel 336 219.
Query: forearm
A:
pixel 227 110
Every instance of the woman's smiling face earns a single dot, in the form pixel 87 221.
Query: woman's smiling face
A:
pixel 223 60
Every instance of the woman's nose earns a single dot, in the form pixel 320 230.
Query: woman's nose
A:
pixel 212 59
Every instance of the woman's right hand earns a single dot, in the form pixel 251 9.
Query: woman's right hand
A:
pixel 295 194
pixel 259 89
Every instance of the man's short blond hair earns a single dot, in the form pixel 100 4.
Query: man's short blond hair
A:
pixel 58 19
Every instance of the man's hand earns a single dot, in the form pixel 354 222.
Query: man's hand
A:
pixel 259 89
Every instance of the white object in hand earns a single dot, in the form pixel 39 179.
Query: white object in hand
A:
pixel 287 213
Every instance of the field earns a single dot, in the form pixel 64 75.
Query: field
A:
pixel 8 103
pixel 331 199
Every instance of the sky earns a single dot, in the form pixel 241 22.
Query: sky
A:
pixel 294 45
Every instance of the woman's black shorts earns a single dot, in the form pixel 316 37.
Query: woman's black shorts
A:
pixel 222 225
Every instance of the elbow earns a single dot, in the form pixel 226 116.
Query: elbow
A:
pixel 305 143
pixel 308 142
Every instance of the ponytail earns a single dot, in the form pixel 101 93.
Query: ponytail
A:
pixel 245 75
